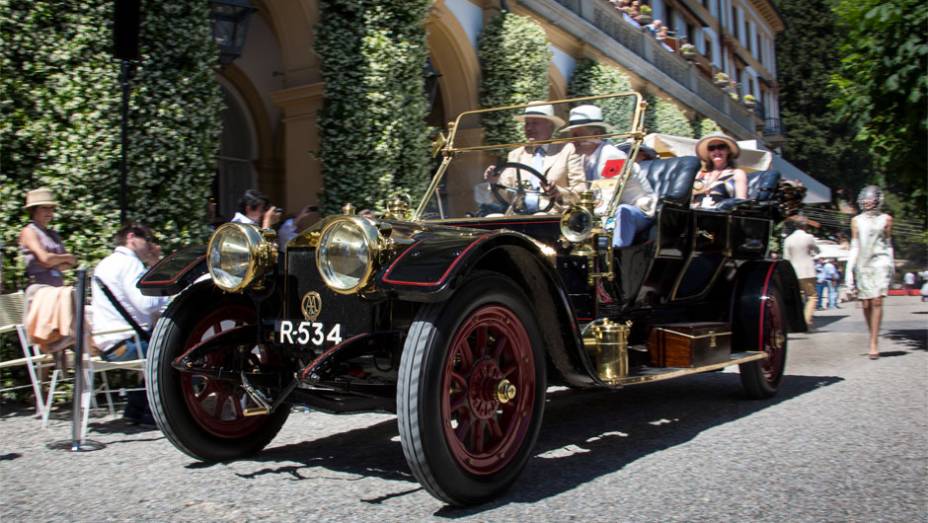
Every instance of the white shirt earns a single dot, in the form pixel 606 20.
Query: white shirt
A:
pixel 120 272
pixel 241 218
pixel 800 249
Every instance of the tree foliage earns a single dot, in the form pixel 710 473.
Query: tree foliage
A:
pixel 883 87
pixel 514 58
pixel 60 121
pixel 374 140
pixel 592 78
pixel 704 127
pixel 818 142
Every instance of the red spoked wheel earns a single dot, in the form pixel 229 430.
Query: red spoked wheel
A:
pixel 470 395
pixel 202 414
pixel 490 382
pixel 761 379
pixel 216 404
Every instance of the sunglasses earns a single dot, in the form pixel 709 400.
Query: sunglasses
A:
pixel 718 147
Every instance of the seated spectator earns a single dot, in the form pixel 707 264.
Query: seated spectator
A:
pixel 46 257
pixel 255 208
pixel 663 35
pixel 720 178
pixel 119 272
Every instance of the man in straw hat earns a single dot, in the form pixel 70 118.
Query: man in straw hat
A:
pixel 564 177
pixel 602 162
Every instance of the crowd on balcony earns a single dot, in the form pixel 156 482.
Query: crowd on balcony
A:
pixel 638 14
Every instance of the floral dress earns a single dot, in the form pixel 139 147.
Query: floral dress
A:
pixel 872 268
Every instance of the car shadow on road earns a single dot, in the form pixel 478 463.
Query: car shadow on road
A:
pixel 911 339
pixel 586 434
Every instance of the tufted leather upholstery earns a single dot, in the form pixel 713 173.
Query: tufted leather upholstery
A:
pixel 672 178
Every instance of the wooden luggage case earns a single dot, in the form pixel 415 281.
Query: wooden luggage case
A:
pixel 689 344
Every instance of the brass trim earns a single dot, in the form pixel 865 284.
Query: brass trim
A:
pixel 736 359
pixel 311 305
pixel 262 253
pixel 372 238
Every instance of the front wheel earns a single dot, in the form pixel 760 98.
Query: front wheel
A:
pixel 201 414
pixel 471 391
pixel 761 378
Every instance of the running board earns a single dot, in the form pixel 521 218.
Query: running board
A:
pixel 649 374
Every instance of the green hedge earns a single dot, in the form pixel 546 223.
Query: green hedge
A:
pixel 664 116
pixel 592 78
pixel 514 59
pixel 704 127
pixel 374 140
pixel 60 116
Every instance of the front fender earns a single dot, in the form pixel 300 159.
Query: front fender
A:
pixel 174 272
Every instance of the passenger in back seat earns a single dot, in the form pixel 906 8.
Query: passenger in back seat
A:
pixel 719 178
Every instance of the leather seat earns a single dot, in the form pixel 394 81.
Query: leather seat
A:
pixel 672 178
pixel 762 187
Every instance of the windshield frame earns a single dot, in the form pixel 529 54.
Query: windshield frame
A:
pixel 446 146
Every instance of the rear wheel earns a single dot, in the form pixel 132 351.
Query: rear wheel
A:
pixel 471 391
pixel 202 415
pixel 761 379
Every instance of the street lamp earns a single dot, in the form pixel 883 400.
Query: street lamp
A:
pixel 230 24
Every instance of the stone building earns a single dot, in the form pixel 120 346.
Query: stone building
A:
pixel 274 89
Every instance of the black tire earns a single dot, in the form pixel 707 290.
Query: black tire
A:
pixel 459 454
pixel 762 378
pixel 177 408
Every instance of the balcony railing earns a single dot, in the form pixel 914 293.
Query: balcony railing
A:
pixel 605 18
pixel 773 127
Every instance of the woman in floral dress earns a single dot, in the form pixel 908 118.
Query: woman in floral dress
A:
pixel 870 264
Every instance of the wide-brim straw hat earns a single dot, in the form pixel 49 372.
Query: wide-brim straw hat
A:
pixel 40 196
pixel 544 111
pixel 586 116
pixel 702 146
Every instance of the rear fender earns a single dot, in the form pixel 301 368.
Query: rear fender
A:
pixel 754 281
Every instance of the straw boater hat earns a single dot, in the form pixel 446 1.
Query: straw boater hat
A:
pixel 40 196
pixel 702 146
pixel 586 116
pixel 545 111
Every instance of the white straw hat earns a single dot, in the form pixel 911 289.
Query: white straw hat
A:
pixel 40 196
pixel 545 111
pixel 586 116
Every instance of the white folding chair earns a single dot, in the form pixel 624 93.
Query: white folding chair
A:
pixel 11 318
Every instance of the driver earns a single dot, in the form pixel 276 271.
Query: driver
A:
pixel 563 170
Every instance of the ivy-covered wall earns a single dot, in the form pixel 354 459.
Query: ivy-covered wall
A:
pixel 514 58
pixel 592 78
pixel 374 140
pixel 60 116
pixel 664 116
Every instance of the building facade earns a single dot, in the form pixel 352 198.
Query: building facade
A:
pixel 274 90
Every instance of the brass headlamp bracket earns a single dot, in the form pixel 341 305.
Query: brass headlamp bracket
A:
pixel 265 256
pixel 588 246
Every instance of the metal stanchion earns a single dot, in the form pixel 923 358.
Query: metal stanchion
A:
pixel 77 443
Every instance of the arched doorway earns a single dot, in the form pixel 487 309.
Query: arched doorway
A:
pixel 235 171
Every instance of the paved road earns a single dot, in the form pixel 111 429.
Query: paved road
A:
pixel 845 440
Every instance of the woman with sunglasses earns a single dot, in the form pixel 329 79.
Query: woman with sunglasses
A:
pixel 719 178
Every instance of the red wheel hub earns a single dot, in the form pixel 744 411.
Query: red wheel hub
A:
pixel 488 389
pixel 217 405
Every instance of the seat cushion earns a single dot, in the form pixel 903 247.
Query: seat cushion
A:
pixel 673 178
pixel 762 185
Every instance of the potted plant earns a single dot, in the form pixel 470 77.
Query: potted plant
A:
pixel 644 18
pixel 749 101
pixel 721 79
pixel 688 51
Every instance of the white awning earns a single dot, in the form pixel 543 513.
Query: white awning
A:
pixel 817 191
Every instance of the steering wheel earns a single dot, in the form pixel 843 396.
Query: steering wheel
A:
pixel 516 203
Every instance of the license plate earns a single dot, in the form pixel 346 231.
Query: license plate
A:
pixel 308 333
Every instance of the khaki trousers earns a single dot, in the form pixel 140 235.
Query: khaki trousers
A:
pixel 807 286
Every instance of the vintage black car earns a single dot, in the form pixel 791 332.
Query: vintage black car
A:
pixel 459 314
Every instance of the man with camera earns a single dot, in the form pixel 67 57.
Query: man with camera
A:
pixel 255 208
